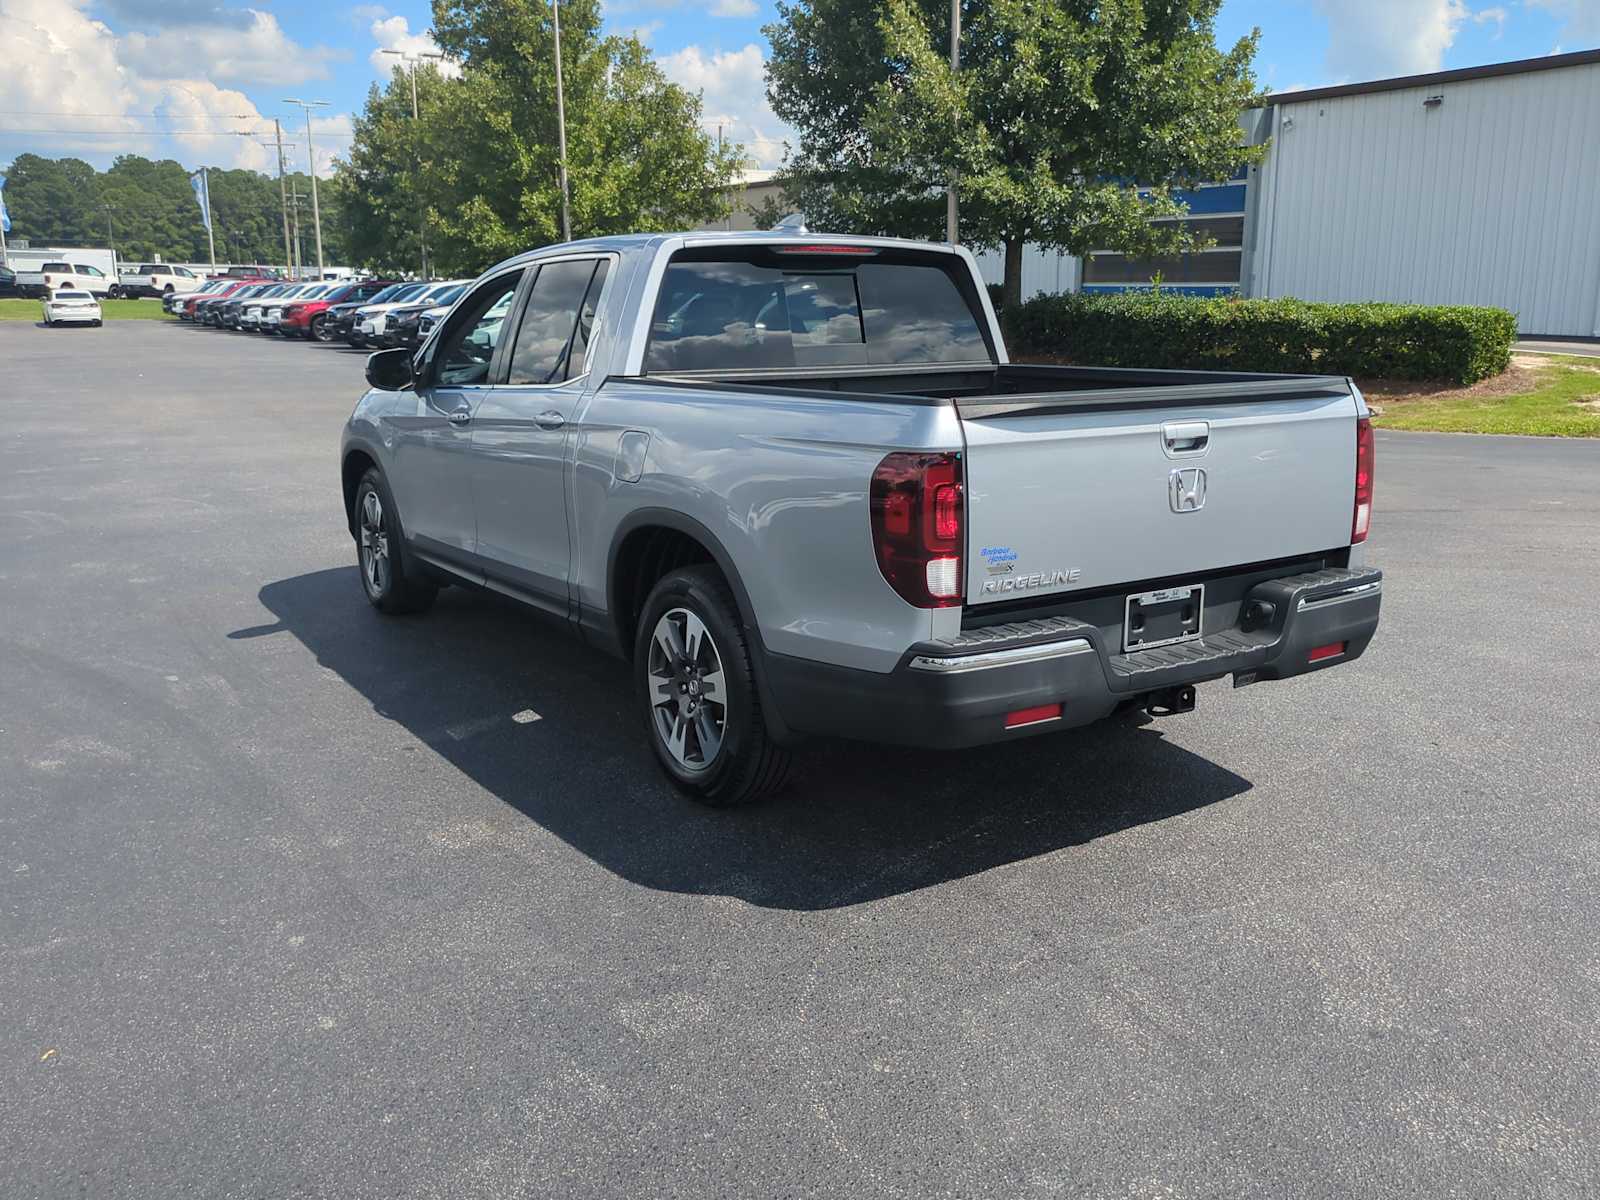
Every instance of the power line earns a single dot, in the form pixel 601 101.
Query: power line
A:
pixel 138 132
pixel 154 116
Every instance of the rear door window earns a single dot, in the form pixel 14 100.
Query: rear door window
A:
pixel 767 309
pixel 543 350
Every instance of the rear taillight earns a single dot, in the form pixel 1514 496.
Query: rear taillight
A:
pixel 916 504
pixel 1366 461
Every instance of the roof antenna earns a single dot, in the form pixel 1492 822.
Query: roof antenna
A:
pixel 793 223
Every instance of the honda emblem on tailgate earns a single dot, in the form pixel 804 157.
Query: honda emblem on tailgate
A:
pixel 1187 489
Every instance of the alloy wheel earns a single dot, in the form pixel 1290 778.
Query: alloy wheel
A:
pixel 375 567
pixel 688 694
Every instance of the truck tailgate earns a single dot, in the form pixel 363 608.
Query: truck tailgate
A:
pixel 1098 489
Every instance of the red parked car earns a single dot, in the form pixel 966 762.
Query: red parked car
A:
pixel 308 318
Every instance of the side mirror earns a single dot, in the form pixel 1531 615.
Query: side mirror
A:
pixel 390 370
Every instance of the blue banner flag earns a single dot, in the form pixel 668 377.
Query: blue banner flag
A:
pixel 202 193
pixel 5 217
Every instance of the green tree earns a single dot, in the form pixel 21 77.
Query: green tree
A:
pixel 637 157
pixel 1058 107
pixel 54 201
pixel 147 209
pixel 385 209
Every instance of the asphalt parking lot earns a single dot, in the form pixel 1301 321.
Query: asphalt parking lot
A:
pixel 300 901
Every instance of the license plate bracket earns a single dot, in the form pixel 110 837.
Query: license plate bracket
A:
pixel 1163 617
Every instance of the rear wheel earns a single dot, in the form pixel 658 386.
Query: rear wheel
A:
pixel 695 681
pixel 384 578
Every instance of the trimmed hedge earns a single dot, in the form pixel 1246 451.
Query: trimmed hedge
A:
pixel 1455 343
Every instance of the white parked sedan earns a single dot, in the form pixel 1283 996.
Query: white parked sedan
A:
pixel 71 308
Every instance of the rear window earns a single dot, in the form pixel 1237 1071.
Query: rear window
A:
pixel 55 267
pixel 765 309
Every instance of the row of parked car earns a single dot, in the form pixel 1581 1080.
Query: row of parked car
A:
pixel 365 312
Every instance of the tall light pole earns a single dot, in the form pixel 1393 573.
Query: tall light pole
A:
pixel 411 61
pixel 951 213
pixel 561 126
pixel 311 157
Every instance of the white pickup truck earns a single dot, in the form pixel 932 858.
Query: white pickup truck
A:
pixel 160 279
pixel 798 483
pixel 64 275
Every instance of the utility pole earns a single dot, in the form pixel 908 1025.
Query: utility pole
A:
pixel 561 127
pixel 283 195
pixel 311 157
pixel 411 61
pixel 951 213
pixel 294 209
pixel 111 236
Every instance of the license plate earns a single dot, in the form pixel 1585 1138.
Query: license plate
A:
pixel 1163 618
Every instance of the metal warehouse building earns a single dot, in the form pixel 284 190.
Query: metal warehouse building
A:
pixel 1477 186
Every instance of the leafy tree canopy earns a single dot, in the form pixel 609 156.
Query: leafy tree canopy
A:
pixel 477 175
pixel 1057 108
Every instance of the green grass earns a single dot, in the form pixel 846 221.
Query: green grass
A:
pixel 111 310
pixel 1555 407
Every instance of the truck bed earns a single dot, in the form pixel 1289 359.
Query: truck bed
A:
pixel 1082 478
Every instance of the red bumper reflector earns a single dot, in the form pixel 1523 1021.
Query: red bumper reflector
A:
pixel 1331 650
pixel 1032 716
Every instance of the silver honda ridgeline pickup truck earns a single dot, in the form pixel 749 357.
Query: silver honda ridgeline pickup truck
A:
pixel 795 480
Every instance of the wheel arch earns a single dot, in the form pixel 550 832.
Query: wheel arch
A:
pixel 627 587
pixel 649 535
pixel 357 462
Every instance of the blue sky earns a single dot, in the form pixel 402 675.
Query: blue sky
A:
pixel 200 80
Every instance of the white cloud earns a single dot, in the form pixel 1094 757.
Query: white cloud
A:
pixel 394 33
pixel 1496 15
pixel 74 74
pixel 1580 19
pixel 734 8
pixel 1371 39
pixel 733 91
pixel 644 31
pixel 259 52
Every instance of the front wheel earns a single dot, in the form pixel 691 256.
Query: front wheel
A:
pixel 319 330
pixel 389 587
pixel 695 680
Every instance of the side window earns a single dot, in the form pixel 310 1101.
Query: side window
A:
pixel 469 345
pixel 578 360
pixel 544 347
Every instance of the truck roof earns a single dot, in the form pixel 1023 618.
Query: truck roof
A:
pixel 710 237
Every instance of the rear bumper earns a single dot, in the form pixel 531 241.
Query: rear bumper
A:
pixel 958 693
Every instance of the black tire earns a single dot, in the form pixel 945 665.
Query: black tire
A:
pixel 389 587
pixel 318 332
pixel 745 764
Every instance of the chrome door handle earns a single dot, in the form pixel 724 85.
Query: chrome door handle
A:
pixel 550 419
pixel 461 416
pixel 1185 437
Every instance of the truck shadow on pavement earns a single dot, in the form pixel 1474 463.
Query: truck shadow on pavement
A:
pixel 856 824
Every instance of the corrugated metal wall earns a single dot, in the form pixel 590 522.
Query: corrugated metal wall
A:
pixel 1042 270
pixel 1490 197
